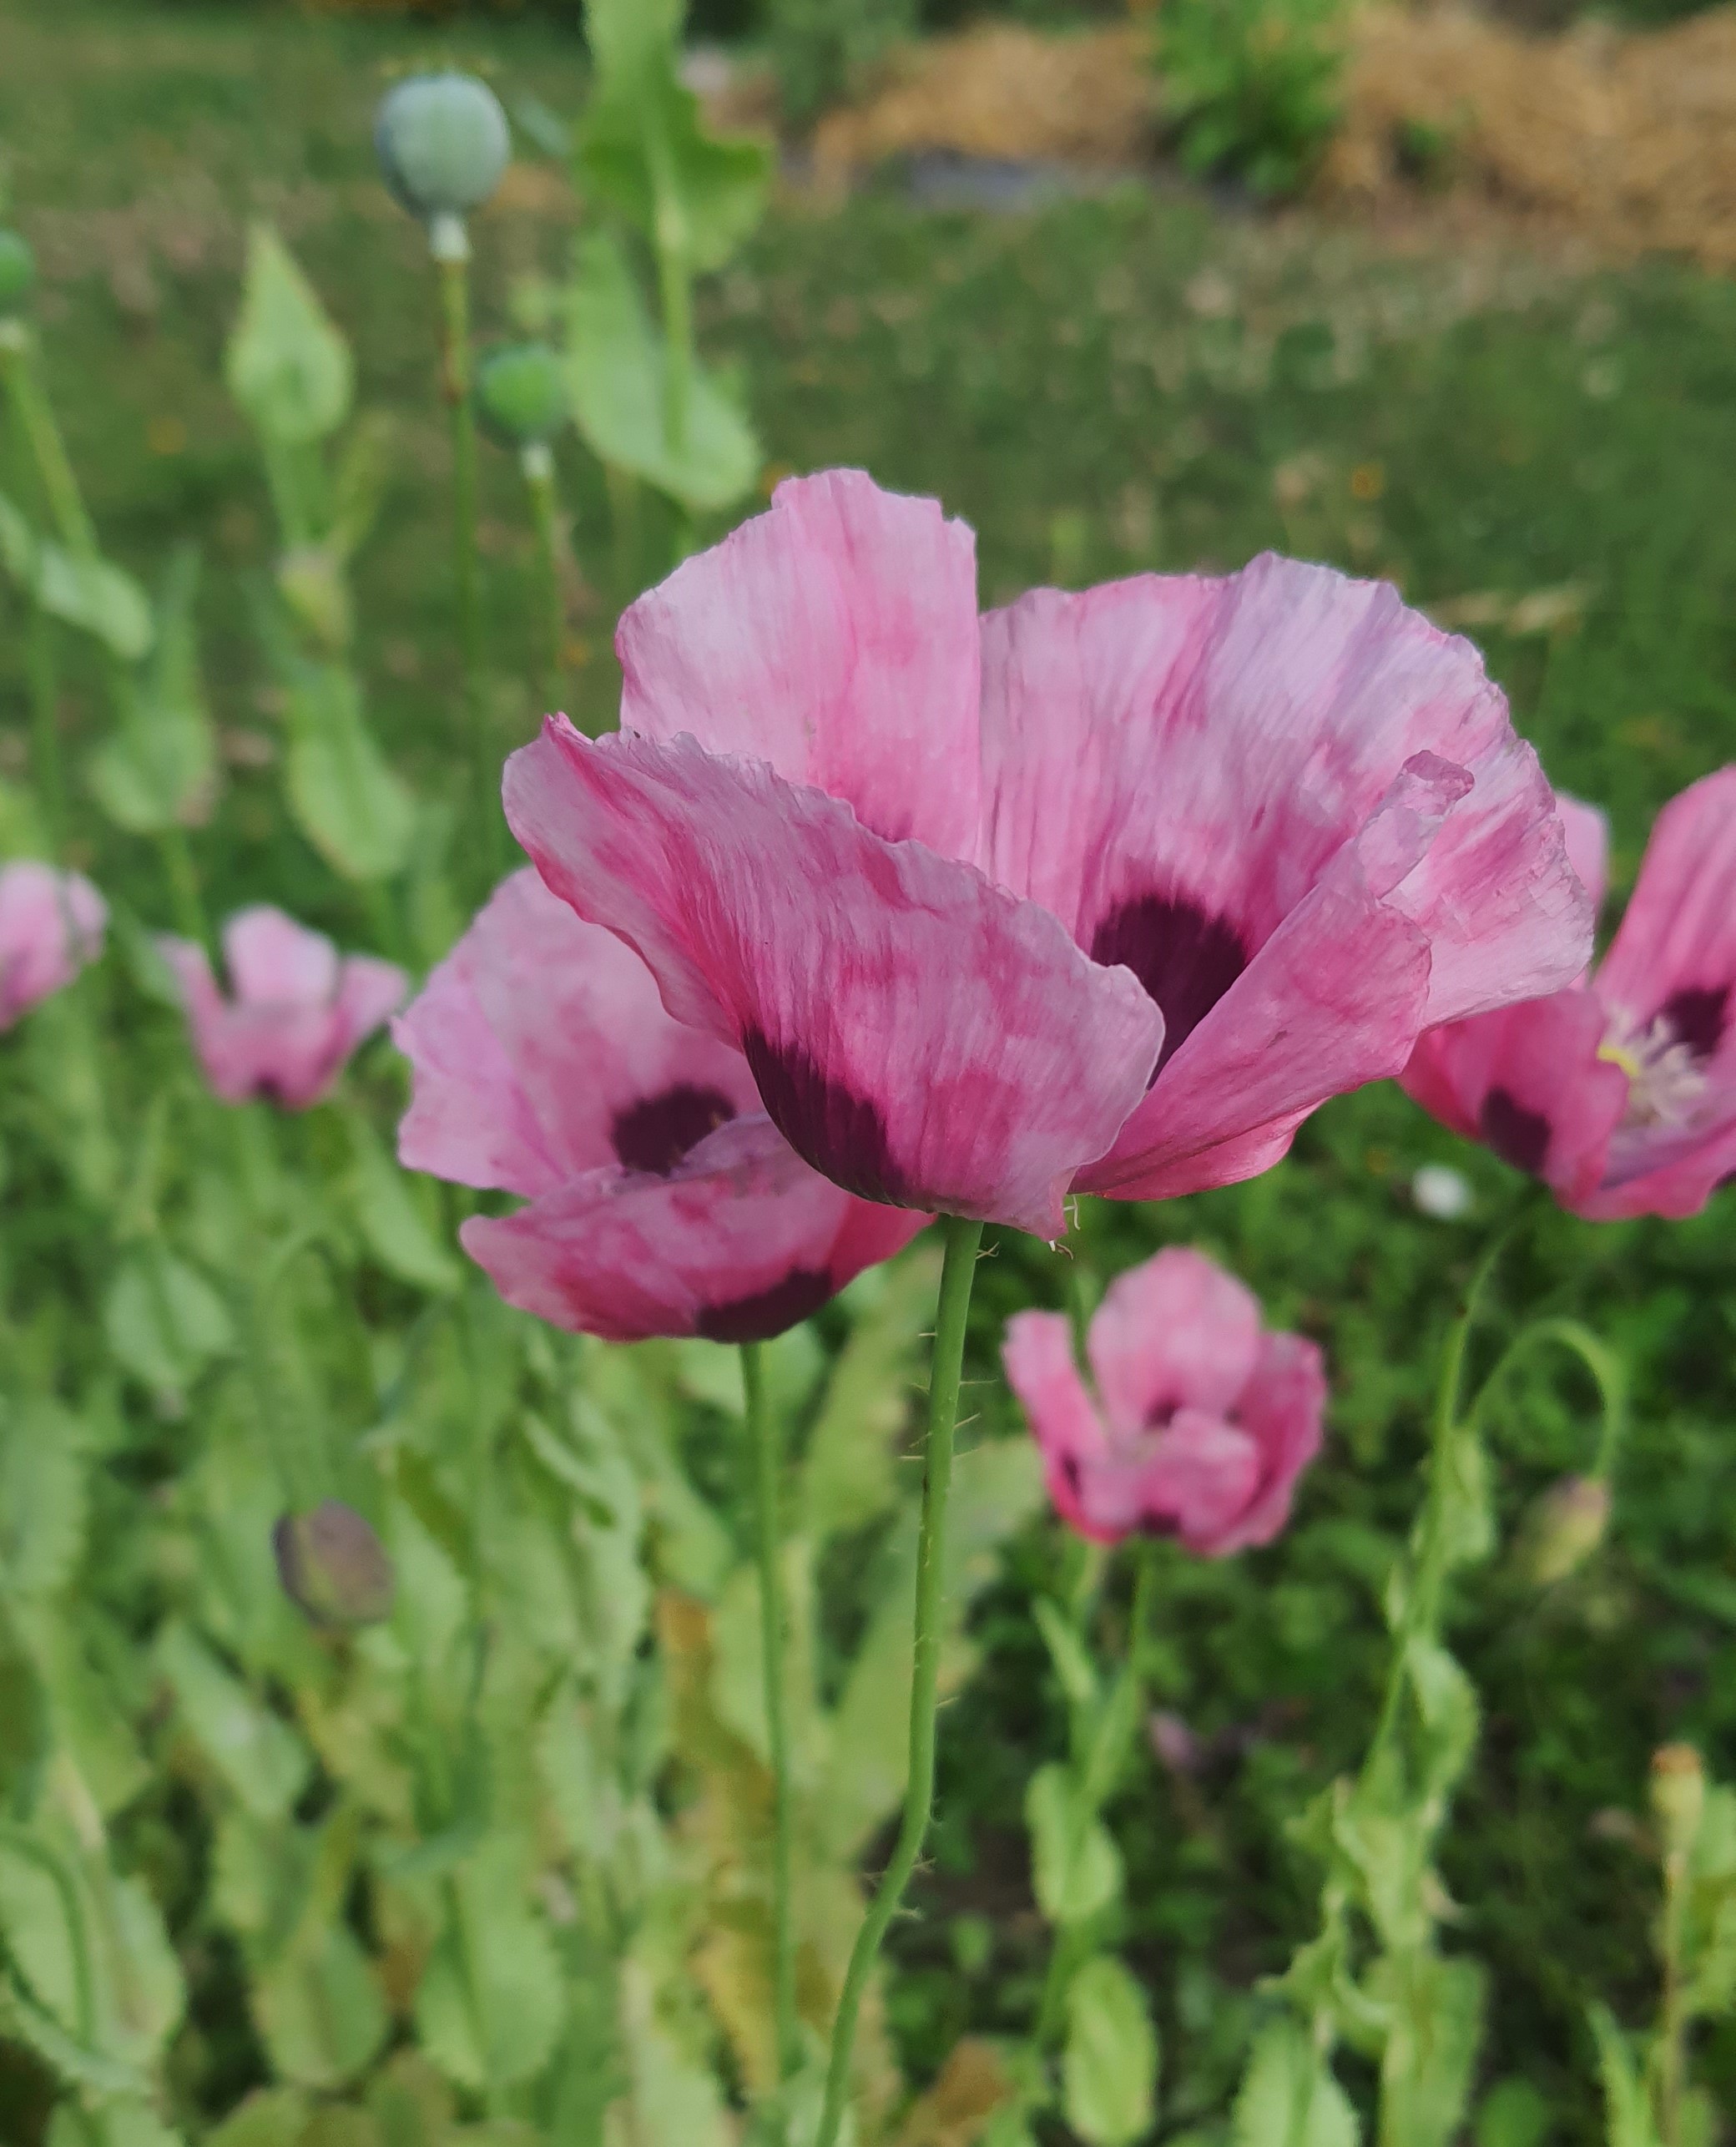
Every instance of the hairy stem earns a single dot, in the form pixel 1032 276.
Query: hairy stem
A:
pixel 962 1239
pixel 767 1472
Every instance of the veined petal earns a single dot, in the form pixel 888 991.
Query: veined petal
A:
pixel 1674 954
pixel 739 1242
pixel 1527 1082
pixel 917 1034
pixel 1282 1409
pixel 835 637
pixel 1037 1356
pixel 1587 831
pixel 542 1051
pixel 1335 998
pixel 1669 1174
pixel 1198 1481
pixel 1175 1331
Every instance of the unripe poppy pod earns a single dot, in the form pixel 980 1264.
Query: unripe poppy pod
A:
pixel 333 1566
pixel 1563 1528
pixel 522 394
pixel 442 143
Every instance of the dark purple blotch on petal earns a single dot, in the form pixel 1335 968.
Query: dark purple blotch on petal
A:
pixel 1696 1018
pixel 842 1135
pixel 1186 958
pixel 767 1312
pixel 1516 1135
pixel 655 1133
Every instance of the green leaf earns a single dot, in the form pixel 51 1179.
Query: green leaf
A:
pixel 97 596
pixel 1076 1868
pixel 617 368
pixel 390 1208
pixel 43 1496
pixel 848 1473
pixel 1447 1708
pixel 345 797
pixel 1067 1652
pixel 258 1756
pixel 270 2117
pixel 159 767
pixel 1289 2097
pixel 673 2096
pixel 642 149
pixel 82 590
pixel 409 2102
pixel 1437 2027
pixel 286 364
pixel 163 1321
pixel 1514 2113
pixel 320 2009
pixel 492 1999
pixel 1626 2107
pixel 1109 2067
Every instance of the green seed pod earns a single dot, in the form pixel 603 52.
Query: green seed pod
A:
pixel 17 273
pixel 333 1566
pixel 1678 1796
pixel 442 143
pixel 522 394
pixel 1563 1528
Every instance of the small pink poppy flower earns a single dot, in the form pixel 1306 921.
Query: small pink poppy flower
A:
pixel 963 890
pixel 51 924
pixel 1201 1422
pixel 1620 1094
pixel 661 1199
pixel 297 1010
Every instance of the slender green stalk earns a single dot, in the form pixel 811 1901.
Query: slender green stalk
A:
pixel 45 726
pixel 962 1239
pixel 1673 2022
pixel 768 1485
pixel 36 418
pixel 451 259
pixel 183 875
pixel 538 464
pixel 1430 1550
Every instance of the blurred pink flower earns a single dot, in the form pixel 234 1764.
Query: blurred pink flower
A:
pixel 50 924
pixel 296 1012
pixel 1201 1423
pixel 661 1199
pixel 1620 1094
pixel 960 888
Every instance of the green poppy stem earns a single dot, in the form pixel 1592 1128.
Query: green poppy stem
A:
pixel 538 460
pixel 962 1239
pixel 450 248
pixel 767 1458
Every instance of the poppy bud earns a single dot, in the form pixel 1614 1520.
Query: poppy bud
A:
pixel 1678 1796
pixel 1564 1527
pixel 18 272
pixel 522 394
pixel 442 143
pixel 333 1566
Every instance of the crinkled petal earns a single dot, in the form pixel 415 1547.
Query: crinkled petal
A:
pixel 51 924
pixel 916 1033
pixel 1335 998
pixel 1037 1356
pixel 1197 1480
pixel 542 1051
pixel 1675 950
pixel 1672 1175
pixel 739 1242
pixel 1174 1332
pixel 1528 1083
pixel 369 993
pixel 1587 831
pixel 273 961
pixel 1204 749
pixel 835 637
pixel 1283 1410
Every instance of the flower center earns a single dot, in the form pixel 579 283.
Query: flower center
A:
pixel 1664 1059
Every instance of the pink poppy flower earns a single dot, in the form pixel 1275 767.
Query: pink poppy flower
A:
pixel 1201 1423
pixel 297 1010
pixel 661 1199
pixel 960 889
pixel 51 924
pixel 1620 1094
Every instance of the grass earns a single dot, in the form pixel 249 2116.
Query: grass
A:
pixel 1100 385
